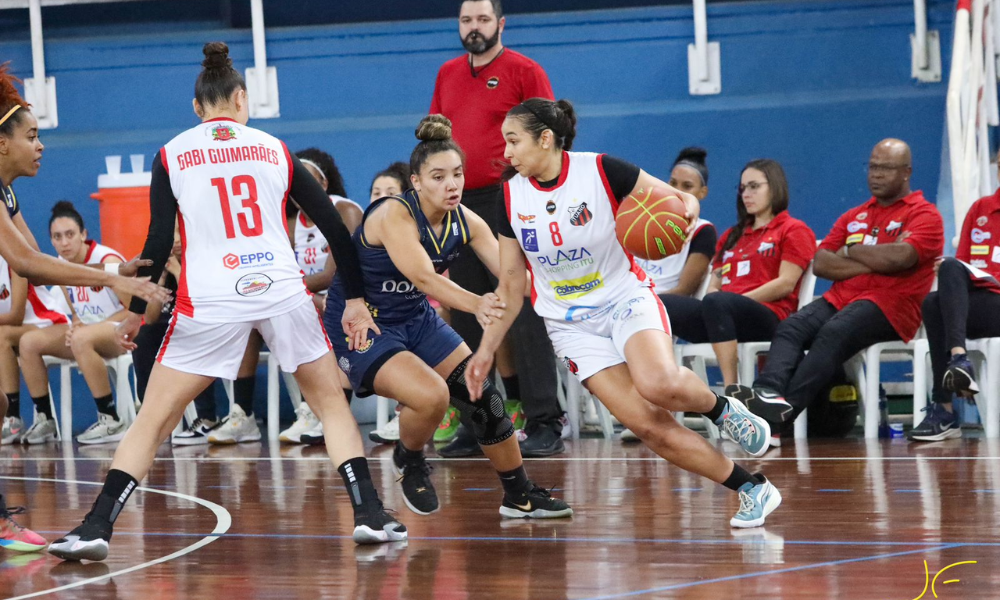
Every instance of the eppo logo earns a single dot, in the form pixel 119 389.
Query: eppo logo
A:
pixel 254 259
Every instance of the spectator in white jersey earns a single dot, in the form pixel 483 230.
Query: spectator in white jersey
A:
pixel 88 340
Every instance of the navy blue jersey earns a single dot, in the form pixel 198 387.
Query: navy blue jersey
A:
pixel 9 199
pixel 390 295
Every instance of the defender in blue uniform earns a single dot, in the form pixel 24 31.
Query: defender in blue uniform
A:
pixel 405 243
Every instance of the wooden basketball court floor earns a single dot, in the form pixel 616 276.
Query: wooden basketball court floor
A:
pixel 883 520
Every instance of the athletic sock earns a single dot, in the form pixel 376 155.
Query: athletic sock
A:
pixel 106 405
pixel 739 476
pixel 358 481
pixel 14 404
pixel 512 385
pixel 348 392
pixel 43 405
pixel 118 486
pixel 403 455
pixel 514 481
pixel 243 392
pixel 720 407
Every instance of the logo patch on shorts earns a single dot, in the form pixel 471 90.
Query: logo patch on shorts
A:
pixel 345 365
pixel 253 284
pixel 361 349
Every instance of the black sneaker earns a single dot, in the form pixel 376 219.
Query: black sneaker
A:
pixel 418 489
pixel 542 440
pixel 762 402
pixel 377 526
pixel 960 377
pixel 938 425
pixel 89 541
pixel 309 439
pixel 535 503
pixel 464 444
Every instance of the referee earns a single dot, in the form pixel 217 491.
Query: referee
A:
pixel 475 91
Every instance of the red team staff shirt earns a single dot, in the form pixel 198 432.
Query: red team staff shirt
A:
pixel 979 244
pixel 756 258
pixel 477 100
pixel 898 295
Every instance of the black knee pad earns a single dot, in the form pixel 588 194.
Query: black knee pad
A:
pixel 486 416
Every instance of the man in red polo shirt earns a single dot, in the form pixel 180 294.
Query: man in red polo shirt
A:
pixel 966 305
pixel 475 91
pixel 880 256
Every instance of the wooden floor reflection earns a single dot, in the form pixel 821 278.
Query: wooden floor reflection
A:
pixel 858 521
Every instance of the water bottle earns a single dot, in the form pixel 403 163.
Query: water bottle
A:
pixel 883 413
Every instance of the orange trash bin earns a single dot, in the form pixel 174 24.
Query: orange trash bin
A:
pixel 124 210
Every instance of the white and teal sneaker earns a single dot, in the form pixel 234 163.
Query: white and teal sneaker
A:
pixel 751 432
pixel 756 502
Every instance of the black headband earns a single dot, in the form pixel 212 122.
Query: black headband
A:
pixel 544 122
pixel 701 168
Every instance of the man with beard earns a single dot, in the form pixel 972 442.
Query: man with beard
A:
pixel 475 91
pixel 880 257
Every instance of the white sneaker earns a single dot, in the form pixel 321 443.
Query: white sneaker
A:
pixel 193 435
pixel 42 431
pixel 567 428
pixel 388 434
pixel 13 429
pixel 629 436
pixel 235 429
pixel 107 429
pixel 305 422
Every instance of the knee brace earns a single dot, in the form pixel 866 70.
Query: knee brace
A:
pixel 486 417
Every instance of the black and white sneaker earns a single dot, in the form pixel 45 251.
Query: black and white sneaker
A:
pixel 418 489
pixel 89 541
pixel 377 526
pixel 193 435
pixel 762 402
pixel 534 503
pixel 960 377
pixel 938 425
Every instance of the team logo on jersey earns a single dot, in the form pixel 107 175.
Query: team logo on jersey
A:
pixel 862 216
pixel 529 239
pixel 8 198
pixel 576 257
pixel 310 237
pixel 581 215
pixel 571 365
pixel 345 365
pixel 223 133
pixel 550 207
pixel 526 218
pixel 982 221
pixel 231 261
pixel 245 261
pixel 855 226
pixel 979 236
pixel 397 287
pixel 894 228
pixel 4 292
pixel 766 248
pixel 492 83
pixel 253 284
pixel 569 289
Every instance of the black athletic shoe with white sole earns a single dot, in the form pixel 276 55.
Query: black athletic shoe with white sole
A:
pixel 535 503
pixel 89 541
pixel 960 377
pixel 762 402
pixel 418 489
pixel 377 526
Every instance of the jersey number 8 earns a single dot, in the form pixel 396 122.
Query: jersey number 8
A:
pixel 243 186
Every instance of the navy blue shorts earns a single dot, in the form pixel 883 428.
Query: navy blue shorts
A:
pixel 426 335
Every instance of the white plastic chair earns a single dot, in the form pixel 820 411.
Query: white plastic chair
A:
pixel 124 395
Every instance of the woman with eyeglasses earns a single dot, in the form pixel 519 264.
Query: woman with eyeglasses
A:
pixel 755 273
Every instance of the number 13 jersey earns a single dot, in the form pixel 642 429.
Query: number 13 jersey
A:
pixel 578 267
pixel 231 183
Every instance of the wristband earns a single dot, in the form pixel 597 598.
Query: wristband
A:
pixel 112 268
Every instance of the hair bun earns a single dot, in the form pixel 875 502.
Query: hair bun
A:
pixel 63 207
pixel 216 56
pixel 693 154
pixel 434 128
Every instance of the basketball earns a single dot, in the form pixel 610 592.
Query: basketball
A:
pixel 651 225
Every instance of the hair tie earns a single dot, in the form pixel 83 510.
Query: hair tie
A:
pixel 9 113
pixel 701 169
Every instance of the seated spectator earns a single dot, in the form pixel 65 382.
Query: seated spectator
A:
pixel 880 256
pixel 23 308
pixel 966 305
pixel 88 340
pixel 757 269
pixel 683 273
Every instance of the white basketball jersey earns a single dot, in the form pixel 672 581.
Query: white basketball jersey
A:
pixel 579 269
pixel 666 272
pixel 231 183
pixel 95 303
pixel 39 310
pixel 311 248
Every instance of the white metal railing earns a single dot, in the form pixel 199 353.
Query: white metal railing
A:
pixel 972 106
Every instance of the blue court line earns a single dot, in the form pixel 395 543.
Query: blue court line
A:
pixel 985 491
pixel 908 491
pixel 832 563
pixel 478 489
pixel 833 490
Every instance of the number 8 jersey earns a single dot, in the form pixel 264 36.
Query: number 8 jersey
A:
pixel 567 232
pixel 231 183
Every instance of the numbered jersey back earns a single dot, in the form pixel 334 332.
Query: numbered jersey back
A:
pixel 231 183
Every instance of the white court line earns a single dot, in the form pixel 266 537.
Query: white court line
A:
pixel 223 521
pixel 388 457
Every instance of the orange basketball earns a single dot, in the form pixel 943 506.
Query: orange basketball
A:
pixel 651 224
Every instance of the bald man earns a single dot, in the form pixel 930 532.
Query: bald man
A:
pixel 880 257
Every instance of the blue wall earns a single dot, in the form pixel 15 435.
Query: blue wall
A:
pixel 812 84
